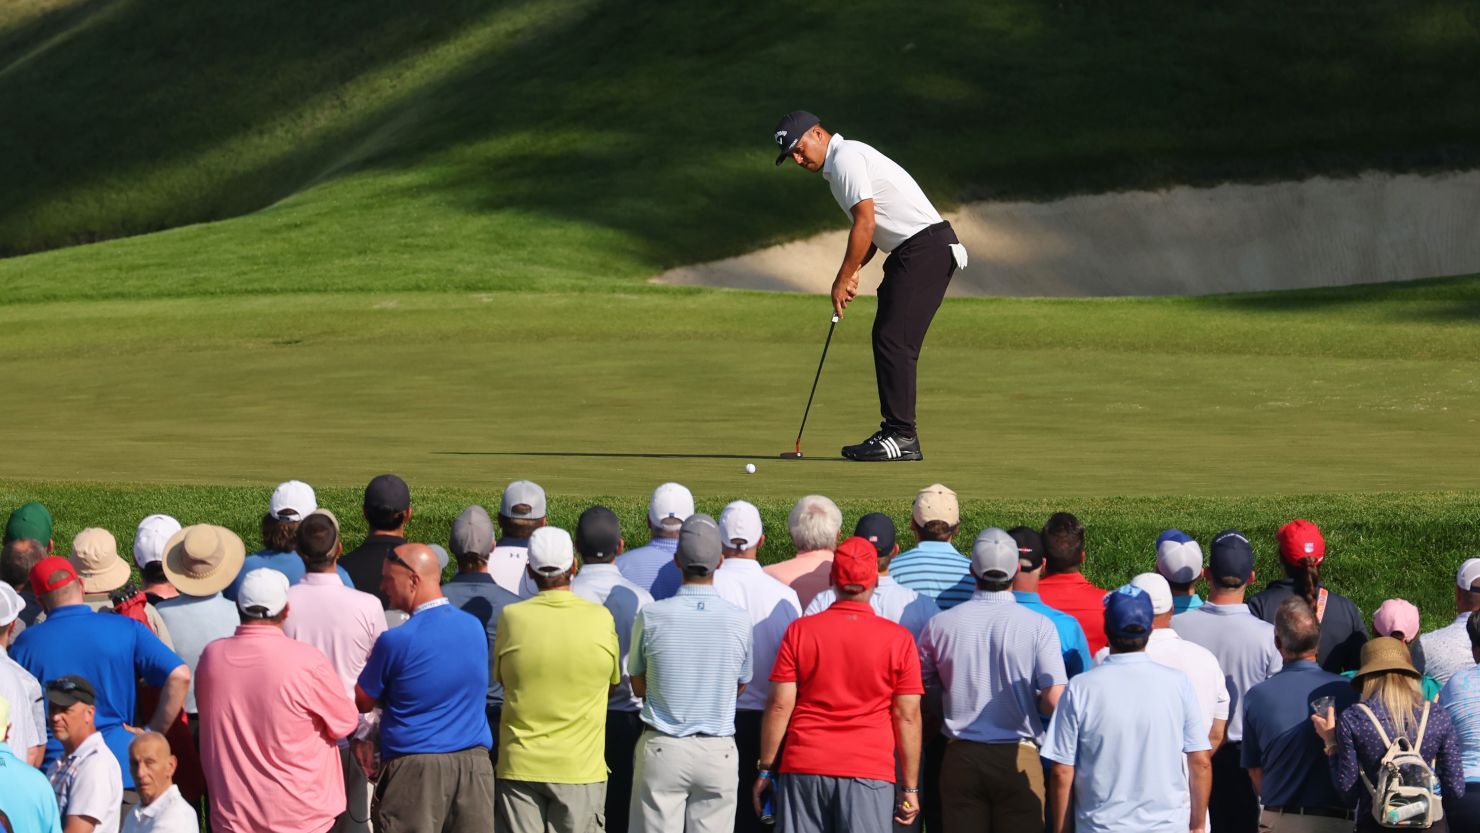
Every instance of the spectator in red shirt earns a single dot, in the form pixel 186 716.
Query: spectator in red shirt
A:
pixel 1062 587
pixel 845 693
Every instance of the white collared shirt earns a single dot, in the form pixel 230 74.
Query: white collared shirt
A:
pixel 168 813
pixel 1446 651
pixel 604 584
pixel 89 783
pixel 856 172
pixel 772 606
pixel 27 711
pixel 891 600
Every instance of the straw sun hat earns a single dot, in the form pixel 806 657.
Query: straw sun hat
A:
pixel 202 559
pixel 1384 654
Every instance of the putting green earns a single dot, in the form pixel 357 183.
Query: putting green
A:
pixel 610 392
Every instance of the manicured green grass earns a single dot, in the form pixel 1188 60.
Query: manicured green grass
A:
pixel 452 144
pixel 1368 389
pixel 1379 546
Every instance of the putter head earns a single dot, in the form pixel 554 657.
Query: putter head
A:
pixel 791 455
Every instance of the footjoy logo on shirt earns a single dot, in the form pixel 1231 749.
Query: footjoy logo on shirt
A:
pixel 781 137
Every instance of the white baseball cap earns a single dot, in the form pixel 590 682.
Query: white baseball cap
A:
pixel 740 522
pixel 937 502
pixel 11 605
pixel 994 555
pixel 1155 585
pixel 672 503
pixel 1178 557
pixel 551 550
pixel 292 501
pixel 154 533
pixel 1469 573
pixel 522 499
pixel 266 588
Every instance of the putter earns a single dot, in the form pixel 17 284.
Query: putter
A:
pixel 797 454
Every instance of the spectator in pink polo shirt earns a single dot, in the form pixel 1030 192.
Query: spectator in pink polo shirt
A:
pixel 272 713
pixel 814 524
pixel 343 623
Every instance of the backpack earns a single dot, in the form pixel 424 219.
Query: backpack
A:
pixel 1407 795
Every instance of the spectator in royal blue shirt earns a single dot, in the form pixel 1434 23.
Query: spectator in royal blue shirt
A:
pixel 109 650
pixel 430 678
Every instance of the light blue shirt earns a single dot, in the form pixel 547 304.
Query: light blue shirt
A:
pixel 26 796
pixel 935 569
pixel 641 566
pixel 1073 644
pixel 603 584
pixel 1461 698
pixel 990 657
pixel 287 563
pixel 1242 643
pixel 694 650
pixel 1125 727
pixel 199 620
pixel 1182 604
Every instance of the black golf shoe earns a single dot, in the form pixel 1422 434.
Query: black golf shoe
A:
pixel 885 446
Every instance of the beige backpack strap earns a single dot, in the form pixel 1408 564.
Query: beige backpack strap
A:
pixel 1381 732
pixel 1423 723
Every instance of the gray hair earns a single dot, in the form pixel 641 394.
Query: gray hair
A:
pixel 814 523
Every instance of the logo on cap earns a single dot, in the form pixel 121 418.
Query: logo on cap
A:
pixel 781 138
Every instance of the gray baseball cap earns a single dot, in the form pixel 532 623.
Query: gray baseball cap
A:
pixel 994 555
pixel 699 545
pixel 523 499
pixel 472 533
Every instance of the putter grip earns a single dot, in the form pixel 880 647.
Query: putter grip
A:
pixel 835 318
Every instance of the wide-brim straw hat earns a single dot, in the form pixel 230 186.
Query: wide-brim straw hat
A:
pixel 202 559
pixel 1385 654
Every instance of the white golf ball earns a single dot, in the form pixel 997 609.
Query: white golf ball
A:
pixel 750 468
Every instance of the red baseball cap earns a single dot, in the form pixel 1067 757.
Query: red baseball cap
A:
pixel 1300 539
pixel 855 562
pixel 52 573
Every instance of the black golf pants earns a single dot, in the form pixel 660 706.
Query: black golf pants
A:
pixel 915 279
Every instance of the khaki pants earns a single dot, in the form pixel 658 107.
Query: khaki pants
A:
pixel 683 784
pixel 540 807
pixel 449 792
pixel 1272 821
pixel 991 787
pixel 356 815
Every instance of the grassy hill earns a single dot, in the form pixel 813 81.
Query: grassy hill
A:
pixel 454 145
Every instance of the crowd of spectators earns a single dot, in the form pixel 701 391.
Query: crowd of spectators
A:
pixel 530 678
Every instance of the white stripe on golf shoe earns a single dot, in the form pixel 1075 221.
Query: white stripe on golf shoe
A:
pixel 891 448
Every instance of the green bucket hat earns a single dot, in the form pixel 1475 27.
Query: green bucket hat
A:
pixel 30 521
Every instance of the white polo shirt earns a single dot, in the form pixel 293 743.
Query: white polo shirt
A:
pixel 169 813
pixel 856 172
pixel 1209 686
pixel 604 584
pixel 772 606
pixel 891 600
pixel 506 564
pixel 89 783
pixel 27 711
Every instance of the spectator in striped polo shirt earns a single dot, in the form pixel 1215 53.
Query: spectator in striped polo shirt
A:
pixel 934 567
pixel 690 659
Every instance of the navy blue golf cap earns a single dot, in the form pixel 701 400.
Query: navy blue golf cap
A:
pixel 790 129
pixel 1231 555
pixel 878 530
pixel 1128 611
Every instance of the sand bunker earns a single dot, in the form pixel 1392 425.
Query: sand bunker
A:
pixel 1181 241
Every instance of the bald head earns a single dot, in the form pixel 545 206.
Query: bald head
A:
pixel 152 764
pixel 411 577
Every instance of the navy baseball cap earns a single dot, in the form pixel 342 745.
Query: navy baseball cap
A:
pixel 1030 547
pixel 790 129
pixel 878 530
pixel 1128 611
pixel 1231 555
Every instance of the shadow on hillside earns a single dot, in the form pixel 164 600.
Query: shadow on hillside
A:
pixel 1435 299
pixel 654 119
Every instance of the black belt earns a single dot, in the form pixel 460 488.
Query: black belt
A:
pixel 1323 812
pixel 923 233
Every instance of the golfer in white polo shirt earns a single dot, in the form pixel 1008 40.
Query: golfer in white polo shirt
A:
pixel 890 212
